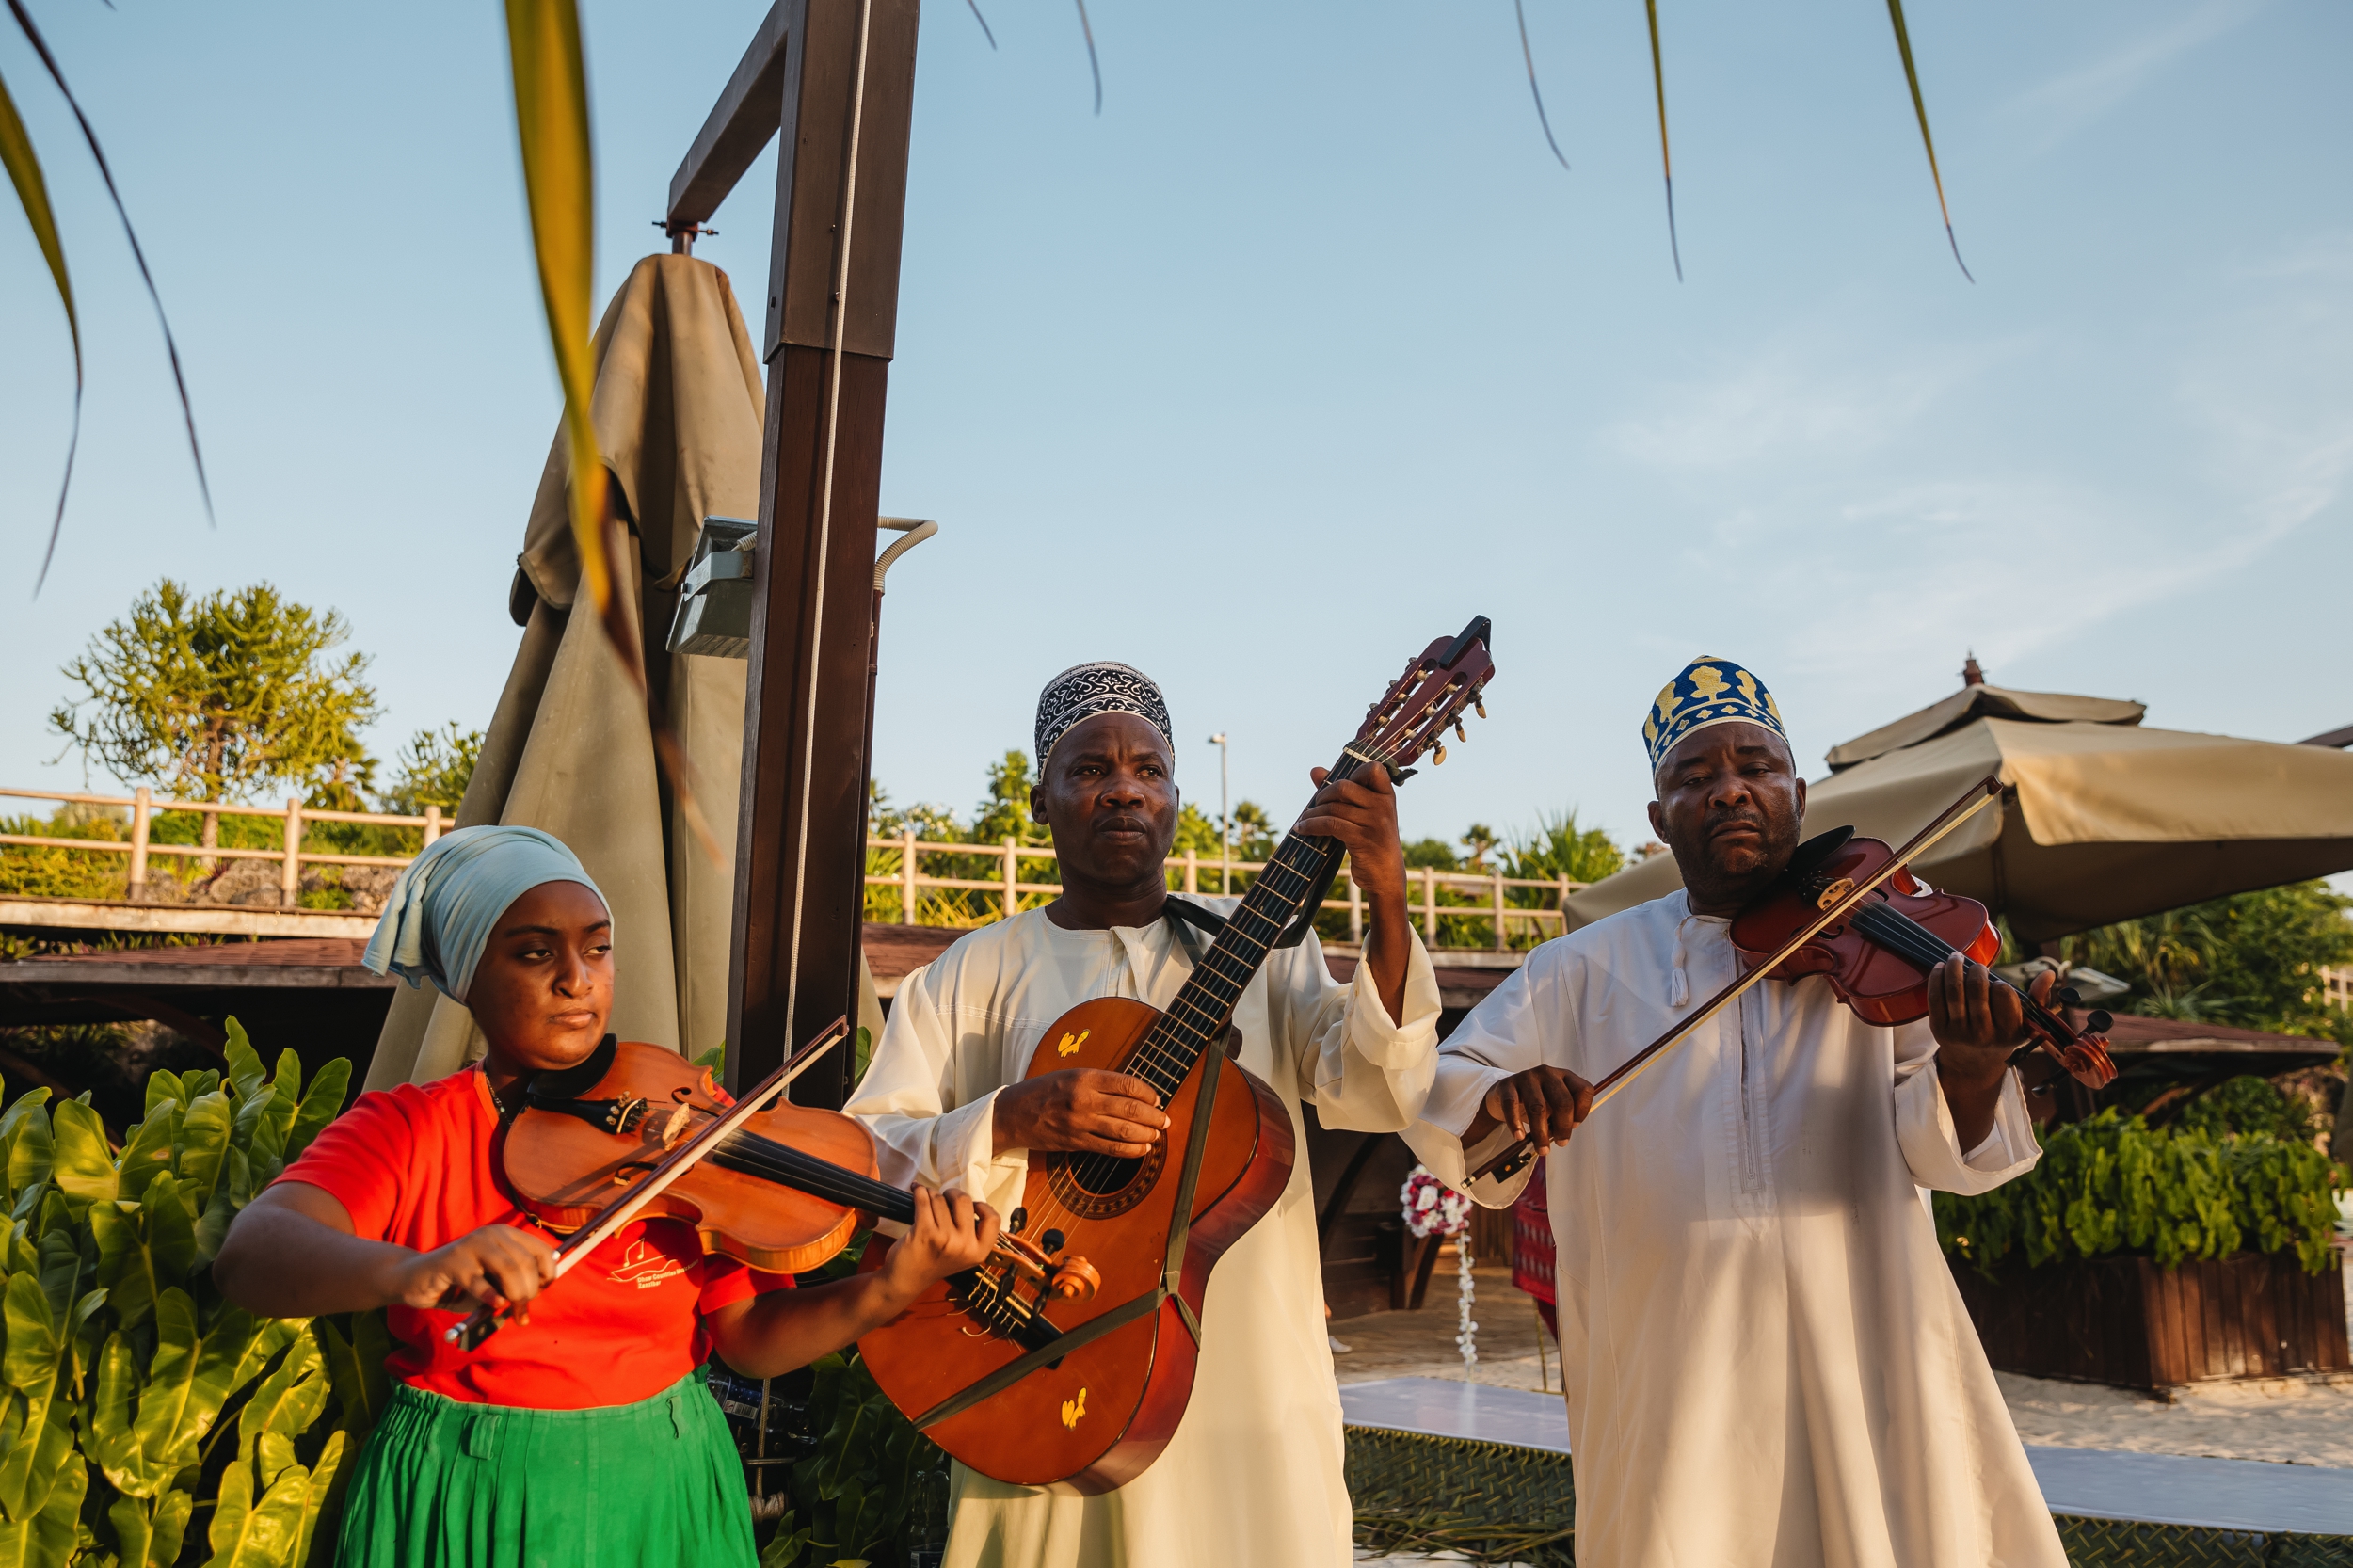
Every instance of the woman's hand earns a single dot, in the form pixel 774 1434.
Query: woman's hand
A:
pixel 500 1266
pixel 952 1234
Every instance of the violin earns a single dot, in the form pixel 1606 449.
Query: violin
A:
pixel 1877 956
pixel 1849 908
pixel 636 1132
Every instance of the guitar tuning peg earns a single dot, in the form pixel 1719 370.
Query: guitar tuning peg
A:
pixel 2099 1022
pixel 1438 756
pixel 1460 733
pixel 2069 996
pixel 1480 703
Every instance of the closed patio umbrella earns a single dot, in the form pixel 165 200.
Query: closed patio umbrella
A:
pixel 2104 820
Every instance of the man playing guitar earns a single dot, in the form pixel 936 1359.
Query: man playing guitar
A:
pixel 1253 1474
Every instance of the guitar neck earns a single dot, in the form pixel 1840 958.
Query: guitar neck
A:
pixel 1197 1020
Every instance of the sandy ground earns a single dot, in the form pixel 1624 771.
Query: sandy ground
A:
pixel 2284 1421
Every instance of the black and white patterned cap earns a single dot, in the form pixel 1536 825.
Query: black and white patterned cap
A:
pixel 1083 691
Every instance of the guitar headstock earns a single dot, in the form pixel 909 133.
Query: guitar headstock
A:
pixel 1415 714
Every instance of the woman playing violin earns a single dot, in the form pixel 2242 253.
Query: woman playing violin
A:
pixel 1765 1358
pixel 582 1435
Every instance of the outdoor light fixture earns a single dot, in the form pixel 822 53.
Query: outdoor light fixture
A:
pixel 714 603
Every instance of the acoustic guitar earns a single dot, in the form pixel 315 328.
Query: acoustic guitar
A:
pixel 1042 1382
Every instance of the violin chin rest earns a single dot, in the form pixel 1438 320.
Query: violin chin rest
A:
pixel 1811 854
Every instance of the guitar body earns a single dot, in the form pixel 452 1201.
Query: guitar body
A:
pixel 1091 1419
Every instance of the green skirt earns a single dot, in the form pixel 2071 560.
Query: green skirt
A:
pixel 442 1484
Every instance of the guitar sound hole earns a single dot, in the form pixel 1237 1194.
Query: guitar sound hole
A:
pixel 1097 1185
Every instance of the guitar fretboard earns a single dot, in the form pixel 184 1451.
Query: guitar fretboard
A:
pixel 1197 1020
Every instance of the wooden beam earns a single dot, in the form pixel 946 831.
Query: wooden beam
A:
pixel 747 114
pixel 847 103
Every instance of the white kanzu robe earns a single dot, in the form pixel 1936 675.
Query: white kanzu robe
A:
pixel 1253 1475
pixel 1766 1360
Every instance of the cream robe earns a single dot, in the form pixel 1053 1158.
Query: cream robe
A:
pixel 1254 1473
pixel 1766 1360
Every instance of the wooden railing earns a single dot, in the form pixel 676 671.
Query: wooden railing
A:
pixel 291 856
pixel 1188 873
pixel 1486 894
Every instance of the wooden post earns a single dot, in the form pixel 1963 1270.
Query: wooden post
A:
pixel 1193 873
pixel 290 871
pixel 142 809
pixel 432 824
pixel 1500 942
pixel 1430 906
pixel 1013 893
pixel 1356 913
pixel 1561 904
pixel 907 877
pixel 837 77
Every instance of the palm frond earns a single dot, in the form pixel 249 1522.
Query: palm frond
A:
pixel 98 155
pixel 1093 64
pixel 1520 9
pixel 1666 164
pixel 32 193
pixel 1920 107
pixel 559 186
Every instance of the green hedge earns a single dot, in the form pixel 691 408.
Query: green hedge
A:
pixel 2114 1184
pixel 146 1422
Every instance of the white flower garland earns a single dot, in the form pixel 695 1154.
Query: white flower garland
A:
pixel 1433 1209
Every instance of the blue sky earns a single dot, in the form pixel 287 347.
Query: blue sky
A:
pixel 1301 353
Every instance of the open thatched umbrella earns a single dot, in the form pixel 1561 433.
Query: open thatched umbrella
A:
pixel 2104 820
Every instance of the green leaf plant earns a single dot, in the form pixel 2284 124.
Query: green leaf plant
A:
pixel 2116 1185
pixel 144 1421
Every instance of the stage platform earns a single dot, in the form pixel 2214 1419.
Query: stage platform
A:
pixel 1435 1463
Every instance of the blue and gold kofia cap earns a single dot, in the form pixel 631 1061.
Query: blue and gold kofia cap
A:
pixel 1709 691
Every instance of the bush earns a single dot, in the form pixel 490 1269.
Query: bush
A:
pixel 146 1421
pixel 2116 1185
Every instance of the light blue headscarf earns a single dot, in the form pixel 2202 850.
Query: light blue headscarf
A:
pixel 446 902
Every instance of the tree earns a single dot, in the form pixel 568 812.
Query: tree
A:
pixel 1557 847
pixel 2251 959
pixel 1004 812
pixel 433 770
pixel 218 696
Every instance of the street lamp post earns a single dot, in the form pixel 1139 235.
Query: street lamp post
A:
pixel 1224 819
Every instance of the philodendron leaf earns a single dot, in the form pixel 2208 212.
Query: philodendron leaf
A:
pixel 25 1136
pixel 165 1401
pixel 83 1332
pixel 356 1367
pixel 31 1474
pixel 29 1364
pixel 82 1167
pixel 204 1144
pixel 164 1088
pixel 285 1404
pixel 321 1103
pixel 200 1082
pixel 244 1064
pixel 246 1534
pixel 50 1528
pixel 170 1521
pixel 135 1532
pixel 114 1440
pixel 124 1267
pixel 148 1153
pixel 171 1228
pixel 323 1476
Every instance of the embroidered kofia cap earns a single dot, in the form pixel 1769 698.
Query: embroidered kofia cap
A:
pixel 1709 691
pixel 1083 691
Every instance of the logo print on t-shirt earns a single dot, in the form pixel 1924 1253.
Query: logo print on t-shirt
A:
pixel 646 1268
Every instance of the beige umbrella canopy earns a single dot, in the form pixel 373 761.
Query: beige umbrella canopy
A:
pixel 678 407
pixel 2103 819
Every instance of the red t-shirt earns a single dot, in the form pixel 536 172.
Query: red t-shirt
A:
pixel 418 1166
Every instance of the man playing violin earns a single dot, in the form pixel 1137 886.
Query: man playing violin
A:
pixel 1253 1474
pixel 583 1434
pixel 1765 1358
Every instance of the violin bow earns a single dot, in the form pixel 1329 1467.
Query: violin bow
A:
pixel 1981 795
pixel 484 1321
